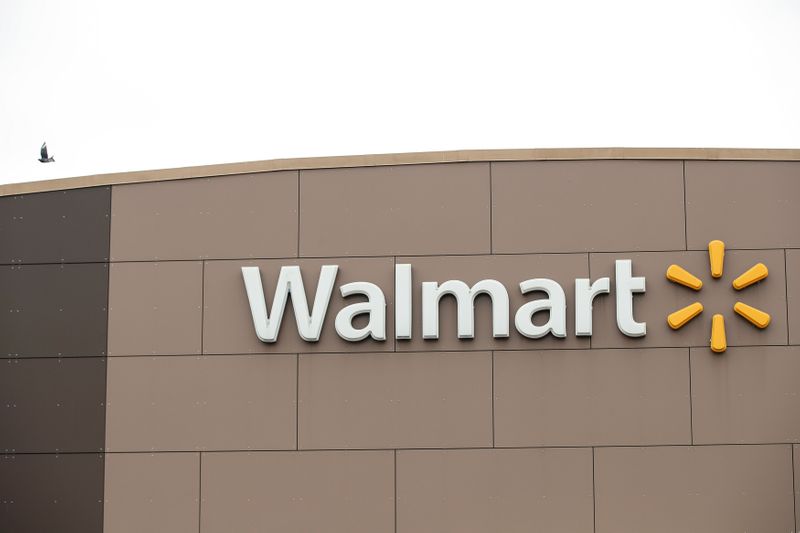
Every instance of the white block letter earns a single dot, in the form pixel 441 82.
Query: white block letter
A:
pixel 290 281
pixel 584 295
pixel 556 303
pixel 375 306
pixel 626 286
pixel 465 296
pixel 402 299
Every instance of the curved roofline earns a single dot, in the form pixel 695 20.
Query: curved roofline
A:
pixel 409 158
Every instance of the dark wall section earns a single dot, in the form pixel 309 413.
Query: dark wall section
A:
pixel 54 249
pixel 55 227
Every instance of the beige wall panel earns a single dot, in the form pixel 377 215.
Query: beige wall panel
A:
pixel 464 491
pixel 155 308
pixel 152 492
pixel 420 209
pixel 395 400
pixel 228 324
pixel 592 397
pixel 796 465
pixel 252 215
pixel 793 292
pixel 717 296
pixel 347 492
pixel 702 489
pixel 747 395
pixel 577 206
pixel 201 403
pixel 509 270
pixel 747 204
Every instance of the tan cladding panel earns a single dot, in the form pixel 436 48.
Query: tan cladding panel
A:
pixel 748 395
pixel 510 270
pixel 250 215
pixel 155 308
pixel 465 491
pixel 747 204
pixel 152 492
pixel 201 403
pixel 694 489
pixel 419 400
pixel 592 397
pixel 796 462
pixel 717 296
pixel 228 324
pixel 419 209
pixel 298 492
pixel 578 206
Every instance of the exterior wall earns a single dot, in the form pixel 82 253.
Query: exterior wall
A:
pixel 136 397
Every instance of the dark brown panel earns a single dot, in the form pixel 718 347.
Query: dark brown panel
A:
pixel 48 493
pixel 55 227
pixel 53 310
pixel 52 405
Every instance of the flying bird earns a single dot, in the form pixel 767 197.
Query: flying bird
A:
pixel 44 158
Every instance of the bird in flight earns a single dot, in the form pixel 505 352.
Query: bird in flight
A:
pixel 44 158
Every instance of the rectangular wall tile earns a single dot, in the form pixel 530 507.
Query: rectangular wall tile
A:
pixel 46 492
pixel 579 206
pixel 228 324
pixel 52 405
pixel 510 270
pixel 467 491
pixel 592 397
pixel 249 215
pixel 796 465
pixel 395 400
pixel 717 296
pixel 155 308
pixel 703 489
pixel 350 491
pixel 418 209
pixel 747 204
pixel 68 226
pixel 152 492
pixel 201 403
pixel 53 310
pixel 748 395
pixel 793 292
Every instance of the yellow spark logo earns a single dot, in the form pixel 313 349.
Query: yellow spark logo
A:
pixel 716 257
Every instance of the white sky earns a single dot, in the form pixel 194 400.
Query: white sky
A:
pixel 114 86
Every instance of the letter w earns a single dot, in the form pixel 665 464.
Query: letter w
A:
pixel 290 282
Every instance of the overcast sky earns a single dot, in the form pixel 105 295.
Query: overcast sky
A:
pixel 115 86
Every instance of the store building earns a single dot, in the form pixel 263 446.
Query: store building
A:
pixel 491 341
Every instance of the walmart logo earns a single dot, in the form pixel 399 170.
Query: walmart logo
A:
pixel 716 256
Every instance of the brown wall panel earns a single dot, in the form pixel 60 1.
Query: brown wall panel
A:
pixel 717 296
pixel 152 492
pixel 749 395
pixel 468 491
pixel 53 310
pixel 509 270
pixel 347 492
pixel 592 397
pixel 793 293
pixel 47 492
pixel 201 403
pixel 580 206
pixel 703 489
pixel 155 308
pixel 421 209
pixel 228 324
pixel 251 215
pixel 395 400
pixel 52 405
pixel 747 204
pixel 55 227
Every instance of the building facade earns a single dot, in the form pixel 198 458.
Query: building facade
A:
pixel 137 392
